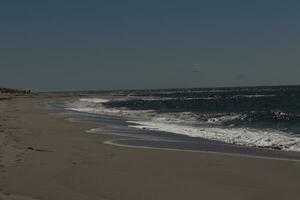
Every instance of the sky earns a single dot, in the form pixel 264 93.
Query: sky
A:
pixel 109 44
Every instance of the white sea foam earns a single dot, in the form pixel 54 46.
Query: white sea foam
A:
pixel 184 123
pixel 242 136
pixel 95 100
pixel 95 106
pixel 253 96
pixel 222 119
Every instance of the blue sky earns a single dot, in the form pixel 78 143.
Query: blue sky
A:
pixel 78 45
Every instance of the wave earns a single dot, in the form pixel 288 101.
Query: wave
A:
pixel 241 136
pixel 94 100
pixel 253 96
pixel 98 106
pixel 95 106
pixel 214 126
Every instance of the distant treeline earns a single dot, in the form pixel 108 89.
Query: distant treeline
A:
pixel 14 91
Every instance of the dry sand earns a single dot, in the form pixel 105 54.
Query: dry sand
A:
pixel 43 156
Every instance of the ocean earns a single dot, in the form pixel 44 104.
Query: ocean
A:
pixel 261 117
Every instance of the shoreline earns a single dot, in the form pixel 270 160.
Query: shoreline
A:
pixel 155 139
pixel 114 142
pixel 234 134
pixel 44 156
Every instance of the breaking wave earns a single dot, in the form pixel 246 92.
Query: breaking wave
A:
pixel 251 128
pixel 242 136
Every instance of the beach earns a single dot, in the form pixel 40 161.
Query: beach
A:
pixel 44 156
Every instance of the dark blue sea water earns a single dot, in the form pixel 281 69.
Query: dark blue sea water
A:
pixel 259 107
pixel 267 117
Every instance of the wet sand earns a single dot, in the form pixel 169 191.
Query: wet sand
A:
pixel 43 156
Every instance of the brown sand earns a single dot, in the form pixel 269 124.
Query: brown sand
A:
pixel 43 156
